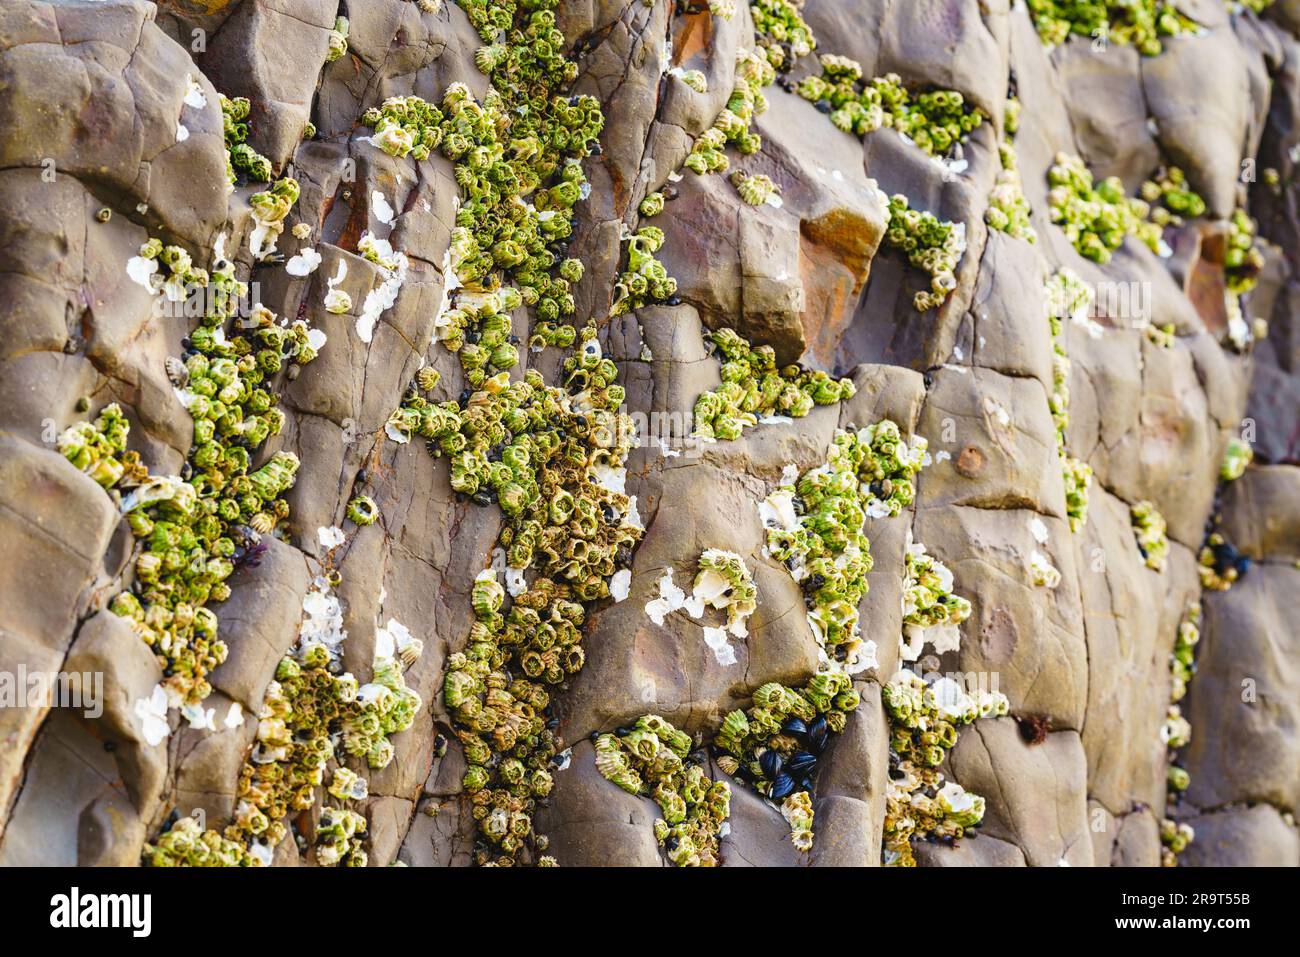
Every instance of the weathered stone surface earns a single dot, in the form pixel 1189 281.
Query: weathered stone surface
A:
pixel 92 101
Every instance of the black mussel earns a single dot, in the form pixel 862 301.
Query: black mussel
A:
pixel 823 106
pixel 795 728
pixel 801 764
pixel 482 499
pixel 818 732
pixel 782 787
pixel 770 762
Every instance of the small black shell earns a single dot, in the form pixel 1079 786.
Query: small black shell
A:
pixel 782 787
pixel 795 728
pixel 818 732
pixel 770 761
pixel 801 764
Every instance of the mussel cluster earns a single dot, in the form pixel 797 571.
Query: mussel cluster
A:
pixel 753 387
pixel 653 759
pixel 924 718
pixel 1149 530
pixel 1137 23
pixel 935 120
pixel 1219 563
pixel 774 746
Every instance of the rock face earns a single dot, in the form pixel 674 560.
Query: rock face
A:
pixel 103 144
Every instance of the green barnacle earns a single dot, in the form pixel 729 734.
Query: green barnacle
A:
pixel 1008 210
pixel 1175 837
pixel 815 526
pixel 1066 295
pixel 240 157
pixel 754 190
pixel 338 40
pixel 1137 23
pixel 1149 529
pixel 1236 456
pixel 652 205
pixel 732 126
pixel 1243 259
pixel 695 79
pixel 934 120
pixel 362 510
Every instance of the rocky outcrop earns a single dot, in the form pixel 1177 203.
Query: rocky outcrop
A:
pixel 111 133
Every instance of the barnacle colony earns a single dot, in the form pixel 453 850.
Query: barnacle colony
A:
pixel 814 525
pixel 925 715
pixel 775 745
pixel 654 759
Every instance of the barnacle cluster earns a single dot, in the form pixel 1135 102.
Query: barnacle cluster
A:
pixel 930 244
pixel 732 126
pixel 653 759
pixel 935 120
pixel 186 844
pixel 815 526
pixel 1243 260
pixel 1258 6
pixel 781 32
pixel 1008 210
pixel 931 612
pixel 724 582
pixel 1171 198
pixel 1149 529
pixel 1175 837
pixel 338 40
pixel 193 531
pixel 1096 217
pixel 338 838
pixel 775 745
pixel 925 715
pixel 405 126
pixel 1219 564
pixel 270 207
pixel 1176 731
pixel 644 278
pixel 754 188
pixel 1138 23
pixel 754 388
pixel 1066 295
pixel 1236 456
pixel 240 157
pixel 552 458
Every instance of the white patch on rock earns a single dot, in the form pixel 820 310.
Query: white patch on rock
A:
pixel 331 537
pixel 716 638
pixel 380 207
pixel 152 712
pixel 304 263
pixel 619 584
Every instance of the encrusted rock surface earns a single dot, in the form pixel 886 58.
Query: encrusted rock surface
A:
pixel 90 95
